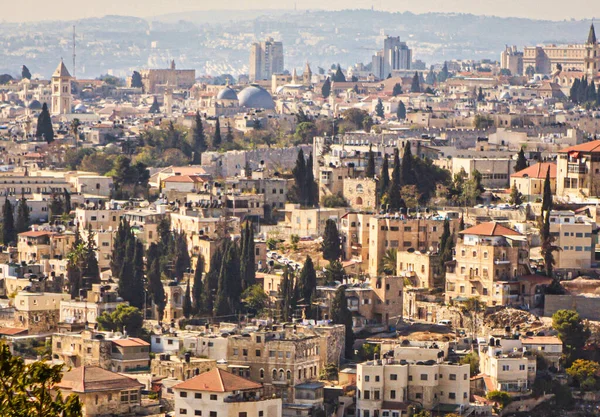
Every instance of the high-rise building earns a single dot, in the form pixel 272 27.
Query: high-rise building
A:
pixel 395 55
pixel 266 59
pixel 512 60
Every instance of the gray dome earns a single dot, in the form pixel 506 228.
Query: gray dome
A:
pixel 227 93
pixel 34 105
pixel 255 97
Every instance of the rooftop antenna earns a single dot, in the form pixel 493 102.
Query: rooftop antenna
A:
pixel 74 55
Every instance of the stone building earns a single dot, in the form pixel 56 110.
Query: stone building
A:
pixel 171 366
pixel 38 312
pixel 155 80
pixel 578 171
pixel 361 193
pixel 62 100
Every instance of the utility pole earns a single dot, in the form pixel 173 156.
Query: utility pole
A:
pixel 74 55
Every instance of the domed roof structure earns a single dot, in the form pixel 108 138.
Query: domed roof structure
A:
pixel 227 93
pixel 34 105
pixel 80 108
pixel 255 97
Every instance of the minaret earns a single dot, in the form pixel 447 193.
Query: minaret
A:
pixel 592 54
pixel 168 100
pixel 294 77
pixel 61 90
pixel 307 75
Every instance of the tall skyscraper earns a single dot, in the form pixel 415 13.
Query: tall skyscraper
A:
pixel 266 59
pixel 395 55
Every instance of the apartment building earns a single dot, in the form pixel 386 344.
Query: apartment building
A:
pixel 100 299
pixel 218 393
pixel 488 260
pixel 266 59
pixel 578 171
pixel 387 387
pixel 575 235
pixel 309 221
pixel 395 55
pixel 530 181
pixel 495 172
pixel 550 347
pixel 38 312
pixel 509 365
pixel 422 269
pixel 211 346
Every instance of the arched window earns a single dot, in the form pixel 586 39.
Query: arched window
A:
pixel 359 188
pixel 289 374
pixel 281 375
pixel 359 201
pixel 274 376
pixel 262 374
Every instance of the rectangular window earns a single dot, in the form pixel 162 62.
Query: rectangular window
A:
pixel 423 377
pixel 394 377
pixel 393 394
pixel 242 414
pixel 257 353
pixel 271 354
pixel 452 395
pixel 366 378
pixel 418 396
pixel 213 397
pixel 213 414
pixel 452 377
pixel 197 412
pixel 367 395
pixel 198 395
pixel 182 411
pixel 183 394
pixel 521 367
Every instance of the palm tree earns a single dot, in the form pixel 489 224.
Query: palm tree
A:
pixel 75 129
pixel 388 265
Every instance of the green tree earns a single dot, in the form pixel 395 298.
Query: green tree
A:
pixel 255 298
pixel 307 281
pixel 401 111
pixel 305 132
pixel 397 90
pixel 124 318
pixel 389 264
pixel 29 390
pixel 368 351
pixel 229 289
pixel 119 245
pixel 516 197
pixel 340 314
pixel 9 232
pixel 585 374
pixel 572 332
pixel 286 294
pixel 548 247
pixel 379 109
pixel 181 255
pixel 22 224
pixel 407 176
pixel 91 269
pixel 444 73
pixel 44 130
pixel 216 142
pixel 471 359
pixel 155 284
pixel 480 96
pixel 415 86
pixel 136 80
pixel 25 73
pixel 326 88
pixel 394 198
pixel 211 279
pixel 310 185
pixel 384 178
pixel 334 200
pixel 339 76
pixel 198 286
pixel 547 196
pixel 247 255
pixel 154 108
pixel 187 302
pixel 331 246
pixel 228 133
pixel 370 171
pixel 499 397
pixel 67 200
pixel 334 272
pixel 521 163
pixel 199 140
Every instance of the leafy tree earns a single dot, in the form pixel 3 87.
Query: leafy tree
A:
pixel 340 314
pixel 326 88
pixel 500 397
pixel 384 178
pixel 334 272
pixel 331 247
pixel 516 197
pixel 198 285
pixel 572 332
pixel 379 109
pixel 585 374
pixel 25 73
pixel 199 139
pixel 547 196
pixel 415 86
pixel 548 247
pixel 124 318
pixel 22 224
pixel 154 108
pixel 255 298
pixel 136 80
pixel 44 129
pixel 334 200
pixel 28 390
pixel 356 118
pixel 521 163
pixel 368 351
pixel 9 232
pixel 471 359
pixel 397 90
pixel 339 76
pixel 389 262
pixel 187 302
pixel 305 132
pixel 401 111
pixel 370 171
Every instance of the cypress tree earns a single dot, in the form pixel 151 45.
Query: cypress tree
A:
pixel 307 282
pixel 248 256
pixel 22 224
pixel 395 200
pixel 480 96
pixel 44 128
pixel 136 80
pixel 384 178
pixel 136 285
pixel 591 93
pixel 126 273
pixel 234 277
pixel 397 90
pixel 379 109
pixel 339 76
pixel 229 279
pixel 25 73
pixel 370 171
pixel 155 285
pixel 521 163
pixel 401 111
pixel 198 286
pixel 211 279
pixel 331 242
pixel 67 200
pixel 415 86
pixel 229 134
pixel 299 173
pixel 547 197
pixel 216 143
pixel 91 269
pixel 408 174
pixel 199 140
pixel 181 255
pixel 573 91
pixel 9 233
pixel 286 293
pixel 340 314
pixel 187 302
pixel 154 108
pixel 445 234
pixel 119 247
pixel 326 88
pixel 310 186
pixel 396 175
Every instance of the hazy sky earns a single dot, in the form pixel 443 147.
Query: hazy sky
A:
pixel 31 10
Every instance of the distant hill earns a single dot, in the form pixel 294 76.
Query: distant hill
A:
pixel 218 42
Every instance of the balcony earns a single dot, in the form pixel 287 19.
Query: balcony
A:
pixel 577 169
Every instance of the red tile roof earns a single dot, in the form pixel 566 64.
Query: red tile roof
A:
pixel 93 378
pixel 218 380
pixel 11 331
pixel 593 146
pixel 537 171
pixel 490 229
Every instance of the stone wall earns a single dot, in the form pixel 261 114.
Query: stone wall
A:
pixel 361 193
pixel 335 343
pixel 587 307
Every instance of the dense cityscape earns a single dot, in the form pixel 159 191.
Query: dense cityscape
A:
pixel 249 218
